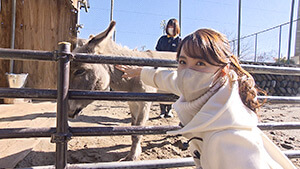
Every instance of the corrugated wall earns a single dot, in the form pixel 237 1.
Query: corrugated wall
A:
pixel 40 25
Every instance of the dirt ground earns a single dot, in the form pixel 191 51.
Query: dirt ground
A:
pixel 40 152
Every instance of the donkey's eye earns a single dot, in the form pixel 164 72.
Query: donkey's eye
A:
pixel 79 72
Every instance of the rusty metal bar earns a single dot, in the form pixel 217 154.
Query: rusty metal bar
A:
pixel 292 153
pixel 122 96
pixel 20 54
pixel 112 96
pixel 89 58
pixel 275 70
pixel 28 93
pixel 279 126
pixel 147 164
pixel 172 63
pixel 26 132
pixel 86 131
pixel 115 131
pixel 281 99
pixel 87 95
pixel 62 134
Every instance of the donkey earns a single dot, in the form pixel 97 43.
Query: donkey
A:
pixel 103 76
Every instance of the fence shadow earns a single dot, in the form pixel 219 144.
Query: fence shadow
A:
pixel 101 120
pixel 29 116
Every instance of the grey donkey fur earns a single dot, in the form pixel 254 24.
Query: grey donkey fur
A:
pixel 102 77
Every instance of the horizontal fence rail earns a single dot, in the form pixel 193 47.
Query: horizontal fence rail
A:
pixel 280 99
pixel 84 131
pixel 145 164
pixel 89 58
pixel 112 96
pixel 275 70
pixel 115 131
pixel 161 163
pixel 87 95
pixel 21 54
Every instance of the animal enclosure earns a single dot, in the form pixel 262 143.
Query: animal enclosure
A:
pixel 62 132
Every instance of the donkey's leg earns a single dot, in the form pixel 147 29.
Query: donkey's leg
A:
pixel 139 116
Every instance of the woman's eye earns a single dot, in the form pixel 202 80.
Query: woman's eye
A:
pixel 200 64
pixel 181 62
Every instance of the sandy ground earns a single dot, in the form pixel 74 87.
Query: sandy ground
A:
pixel 107 149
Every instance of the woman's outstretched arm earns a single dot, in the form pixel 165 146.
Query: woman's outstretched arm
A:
pixel 129 71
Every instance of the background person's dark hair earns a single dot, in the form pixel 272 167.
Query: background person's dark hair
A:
pixel 174 23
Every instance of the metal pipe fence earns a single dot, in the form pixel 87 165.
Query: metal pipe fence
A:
pixel 90 58
pixel 116 131
pixel 62 133
pixel 257 34
pixel 113 96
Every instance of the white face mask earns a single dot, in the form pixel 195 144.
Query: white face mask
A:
pixel 192 84
pixel 171 31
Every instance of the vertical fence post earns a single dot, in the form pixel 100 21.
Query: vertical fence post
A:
pixel 279 43
pixel 62 135
pixel 234 46
pixel 13 34
pixel 255 49
pixel 239 28
pixel 112 16
pixel 180 17
pixel 290 32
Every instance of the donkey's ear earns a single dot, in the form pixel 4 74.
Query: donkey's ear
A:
pixel 107 34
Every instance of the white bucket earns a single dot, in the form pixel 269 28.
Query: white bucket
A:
pixel 16 81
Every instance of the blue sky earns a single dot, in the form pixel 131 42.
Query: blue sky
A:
pixel 138 21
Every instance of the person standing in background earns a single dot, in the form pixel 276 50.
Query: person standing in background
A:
pixel 169 43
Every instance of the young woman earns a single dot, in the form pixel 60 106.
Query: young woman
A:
pixel 217 105
pixel 168 43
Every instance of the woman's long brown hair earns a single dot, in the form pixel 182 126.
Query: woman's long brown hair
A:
pixel 214 48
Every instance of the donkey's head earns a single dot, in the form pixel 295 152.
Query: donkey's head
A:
pixel 90 76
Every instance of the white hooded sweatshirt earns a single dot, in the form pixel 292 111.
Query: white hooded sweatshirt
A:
pixel 223 133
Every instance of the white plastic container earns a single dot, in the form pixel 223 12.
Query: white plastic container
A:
pixel 16 81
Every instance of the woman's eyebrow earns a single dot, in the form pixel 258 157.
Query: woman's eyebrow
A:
pixel 182 57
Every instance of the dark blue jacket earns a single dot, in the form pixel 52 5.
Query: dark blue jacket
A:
pixel 166 43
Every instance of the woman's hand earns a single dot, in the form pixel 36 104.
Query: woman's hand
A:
pixel 129 71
